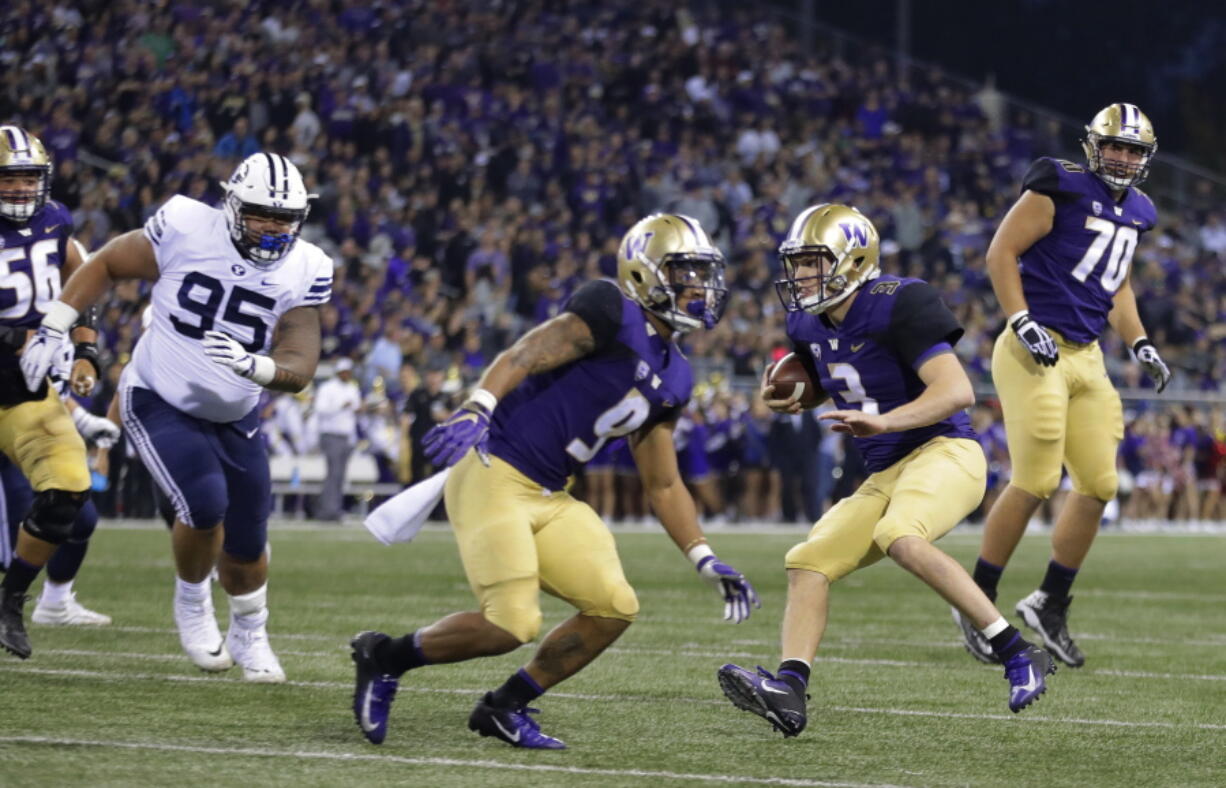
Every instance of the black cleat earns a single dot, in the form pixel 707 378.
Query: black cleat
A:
pixel 770 698
pixel 973 639
pixel 1049 617
pixel 13 637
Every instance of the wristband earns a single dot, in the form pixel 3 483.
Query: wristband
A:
pixel 698 552
pixel 263 370
pixel 89 352
pixel 485 399
pixel 59 316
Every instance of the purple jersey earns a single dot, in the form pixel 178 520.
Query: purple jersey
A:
pixel 31 257
pixel 1071 275
pixel 553 423
pixel 869 361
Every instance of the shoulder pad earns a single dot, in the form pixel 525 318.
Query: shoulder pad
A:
pixel 184 213
pixel 1052 177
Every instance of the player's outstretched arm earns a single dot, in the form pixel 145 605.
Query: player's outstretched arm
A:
pixel 947 391
pixel 555 342
pixel 130 256
pixel 656 458
pixel 295 352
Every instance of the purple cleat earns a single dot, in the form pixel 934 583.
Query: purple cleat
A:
pixel 770 698
pixel 513 726
pixel 1026 672
pixel 374 691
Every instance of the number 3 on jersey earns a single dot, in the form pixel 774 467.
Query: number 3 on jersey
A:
pixel 214 293
pixel 622 419
pixel 1123 242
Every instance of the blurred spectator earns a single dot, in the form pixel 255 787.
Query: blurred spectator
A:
pixel 336 405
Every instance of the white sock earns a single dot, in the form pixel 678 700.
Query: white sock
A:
pixel 250 610
pixel 193 592
pixel 56 594
pixel 995 628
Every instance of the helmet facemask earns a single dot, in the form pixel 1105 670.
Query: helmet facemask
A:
pixel 263 249
pixel 820 292
pixel 692 293
pixel 19 203
pixel 1117 174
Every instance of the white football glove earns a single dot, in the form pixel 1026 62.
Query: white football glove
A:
pixel 100 431
pixel 1152 363
pixel 60 374
pixel 39 355
pixel 225 351
pixel 228 353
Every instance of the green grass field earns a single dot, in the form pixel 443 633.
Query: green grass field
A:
pixel 895 699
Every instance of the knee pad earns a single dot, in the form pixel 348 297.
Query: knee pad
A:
pixel 52 515
pixel 1104 487
pixel 85 523
pixel 515 607
pixel 620 603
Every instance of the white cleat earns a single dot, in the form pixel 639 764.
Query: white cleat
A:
pixel 252 651
pixel 69 614
pixel 200 636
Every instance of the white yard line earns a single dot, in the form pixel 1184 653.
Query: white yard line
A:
pixel 225 681
pixel 265 752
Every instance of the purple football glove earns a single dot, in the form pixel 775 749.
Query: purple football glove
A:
pixel 467 427
pixel 737 592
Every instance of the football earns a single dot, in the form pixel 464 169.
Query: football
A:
pixel 788 376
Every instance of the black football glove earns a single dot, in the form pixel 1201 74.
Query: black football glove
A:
pixel 1035 339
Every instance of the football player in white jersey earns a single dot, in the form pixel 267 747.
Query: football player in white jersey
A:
pixel 235 304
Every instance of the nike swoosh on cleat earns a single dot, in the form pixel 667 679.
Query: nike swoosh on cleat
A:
pixel 217 651
pixel 365 722
pixel 769 688
pixel 1031 683
pixel 513 737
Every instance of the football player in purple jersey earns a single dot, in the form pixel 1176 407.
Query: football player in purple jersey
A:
pixel 1060 264
pixel 37 254
pixel 607 366
pixel 882 346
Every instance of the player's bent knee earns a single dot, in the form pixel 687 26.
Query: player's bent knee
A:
pixel 1040 487
pixel 53 514
pixel 513 607
pixel 621 603
pixel 811 557
pixel 1103 488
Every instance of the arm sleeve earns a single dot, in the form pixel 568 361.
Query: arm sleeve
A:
pixel 1046 176
pixel 920 322
pixel 599 304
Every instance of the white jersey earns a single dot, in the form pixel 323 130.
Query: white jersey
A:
pixel 204 284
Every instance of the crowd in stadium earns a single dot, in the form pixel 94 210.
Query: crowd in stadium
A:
pixel 476 163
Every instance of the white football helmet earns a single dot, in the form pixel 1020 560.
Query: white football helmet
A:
pixel 265 186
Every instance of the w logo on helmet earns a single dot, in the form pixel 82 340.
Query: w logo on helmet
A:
pixel 855 233
pixel 637 244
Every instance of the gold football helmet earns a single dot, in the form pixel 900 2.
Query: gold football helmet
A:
pixel 1127 125
pixel 849 243
pixel 22 154
pixel 667 264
